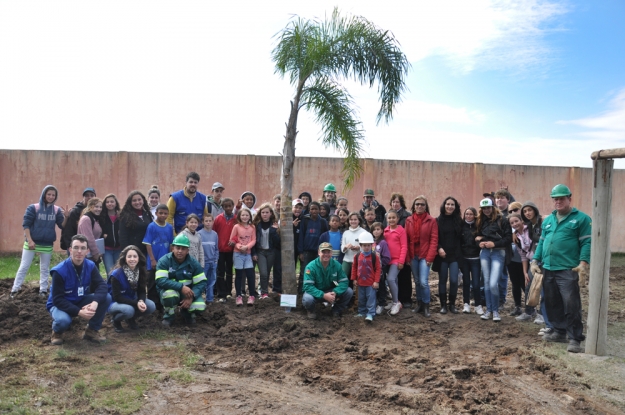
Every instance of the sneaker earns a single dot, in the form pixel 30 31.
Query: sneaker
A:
pixel 239 300
pixel 539 319
pixel 57 338
pixel 312 315
pixel 43 294
pixel 228 297
pixel 485 316
pixel 250 300
pixel 516 311
pixel 396 308
pixel 359 315
pixel 466 309
pixel 117 325
pixel 496 317
pixel 379 310
pixel 524 317
pixel 555 337
pixel 574 347
pixel 93 335
pixel 264 296
pixel 221 300
pixel 479 310
pixel 388 306
pixel 13 294
pixel 369 318
pixel 544 331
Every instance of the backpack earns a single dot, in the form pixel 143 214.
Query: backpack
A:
pixel 374 259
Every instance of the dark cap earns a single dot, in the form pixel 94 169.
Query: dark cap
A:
pixel 369 192
pixel 89 189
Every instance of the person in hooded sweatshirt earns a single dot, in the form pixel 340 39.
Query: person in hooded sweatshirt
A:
pixel 39 236
pixel 71 226
pixel 248 199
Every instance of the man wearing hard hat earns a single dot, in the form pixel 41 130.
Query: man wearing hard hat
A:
pixel 564 251
pixel 180 280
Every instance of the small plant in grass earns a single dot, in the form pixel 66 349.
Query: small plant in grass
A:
pixel 181 375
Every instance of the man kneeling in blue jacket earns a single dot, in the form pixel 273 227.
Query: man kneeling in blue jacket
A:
pixel 77 290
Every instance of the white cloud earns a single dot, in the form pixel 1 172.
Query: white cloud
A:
pixel 610 125
pixel 420 111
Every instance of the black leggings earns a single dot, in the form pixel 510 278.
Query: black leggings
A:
pixel 515 270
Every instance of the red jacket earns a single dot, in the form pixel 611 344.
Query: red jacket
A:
pixel 224 228
pixel 363 271
pixel 428 239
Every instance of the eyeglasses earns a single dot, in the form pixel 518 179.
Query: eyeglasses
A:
pixel 513 210
pixel 79 248
pixel 419 204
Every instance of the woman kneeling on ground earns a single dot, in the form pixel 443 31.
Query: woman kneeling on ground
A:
pixel 128 283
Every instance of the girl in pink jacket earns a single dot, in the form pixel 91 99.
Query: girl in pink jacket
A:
pixel 395 237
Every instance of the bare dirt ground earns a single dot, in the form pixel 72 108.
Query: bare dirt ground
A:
pixel 261 360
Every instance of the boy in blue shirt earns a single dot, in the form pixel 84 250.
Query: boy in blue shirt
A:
pixel 158 237
pixel 211 256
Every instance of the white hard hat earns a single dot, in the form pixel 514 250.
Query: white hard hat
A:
pixel 365 238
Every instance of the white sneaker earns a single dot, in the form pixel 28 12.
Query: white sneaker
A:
pixel 539 319
pixel 388 306
pixel 479 310
pixel 485 316
pixel 496 316
pixel 466 309
pixel 379 310
pixel 396 308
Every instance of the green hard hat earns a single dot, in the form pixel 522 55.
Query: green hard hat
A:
pixel 181 240
pixel 560 190
pixel 329 188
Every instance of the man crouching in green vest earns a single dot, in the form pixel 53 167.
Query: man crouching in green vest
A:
pixel 180 280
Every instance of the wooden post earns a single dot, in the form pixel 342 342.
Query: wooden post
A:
pixel 599 280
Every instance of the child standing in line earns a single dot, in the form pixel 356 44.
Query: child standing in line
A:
pixel 366 273
pixel 158 237
pixel 369 218
pixel 333 237
pixel 349 243
pixel 311 228
pixel 381 247
pixel 190 229
pixel 248 200
pixel 267 245
pixel 395 237
pixel 224 223
pixel 243 239
pixel 210 243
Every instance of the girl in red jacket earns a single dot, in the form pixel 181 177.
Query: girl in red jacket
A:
pixel 395 237
pixel 422 236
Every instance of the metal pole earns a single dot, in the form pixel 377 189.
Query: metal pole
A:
pixel 599 280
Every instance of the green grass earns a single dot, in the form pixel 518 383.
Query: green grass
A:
pixel 10 264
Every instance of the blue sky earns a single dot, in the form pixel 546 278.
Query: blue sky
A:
pixel 523 82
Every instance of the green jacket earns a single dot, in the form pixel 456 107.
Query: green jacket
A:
pixel 170 275
pixel 318 281
pixel 563 245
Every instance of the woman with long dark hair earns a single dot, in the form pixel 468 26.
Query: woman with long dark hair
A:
pixel 134 220
pixel 110 217
pixel 470 266
pixel 450 251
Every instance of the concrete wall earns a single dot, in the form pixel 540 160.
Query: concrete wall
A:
pixel 24 174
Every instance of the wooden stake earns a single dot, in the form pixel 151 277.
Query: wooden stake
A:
pixel 599 280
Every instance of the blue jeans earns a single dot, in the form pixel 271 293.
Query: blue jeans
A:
pixel 210 270
pixel 493 262
pixel 366 300
pixel 471 268
pixel 61 320
pixel 448 269
pixel 110 258
pixel 121 312
pixel 503 284
pixel 421 274
pixel 308 301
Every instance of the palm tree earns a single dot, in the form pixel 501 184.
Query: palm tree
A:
pixel 316 55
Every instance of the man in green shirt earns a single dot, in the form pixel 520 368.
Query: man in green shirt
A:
pixel 325 281
pixel 180 280
pixel 564 250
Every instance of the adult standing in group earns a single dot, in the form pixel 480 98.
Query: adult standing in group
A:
pixel 213 202
pixel 110 217
pixel 185 202
pixel 154 199
pixel 450 250
pixel 422 235
pixel 71 226
pixel 90 225
pixel 329 197
pixel 369 201
pixel 39 236
pixel 502 199
pixel 564 250
pixel 404 278
pixel 494 237
pixel 77 290
pixel 134 221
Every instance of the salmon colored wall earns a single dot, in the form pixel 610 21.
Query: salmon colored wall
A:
pixel 25 173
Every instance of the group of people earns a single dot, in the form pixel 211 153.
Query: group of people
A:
pixel 182 254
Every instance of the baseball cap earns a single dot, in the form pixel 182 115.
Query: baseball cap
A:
pixel 217 185
pixel 369 192
pixel 88 189
pixel 326 246
pixel 486 203
pixel 297 202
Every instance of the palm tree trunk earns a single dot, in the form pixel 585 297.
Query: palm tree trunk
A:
pixel 289 279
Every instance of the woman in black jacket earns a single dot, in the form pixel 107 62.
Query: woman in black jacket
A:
pixel 134 220
pixel 470 265
pixel 110 230
pixel 494 237
pixel 450 250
